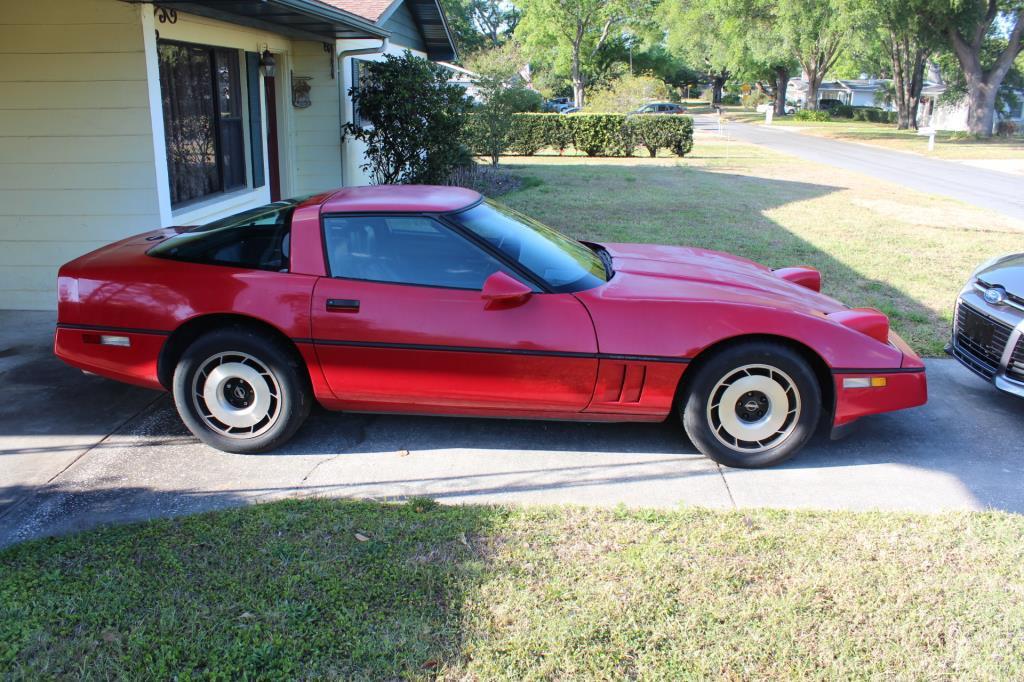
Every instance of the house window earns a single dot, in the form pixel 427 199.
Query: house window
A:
pixel 360 72
pixel 202 102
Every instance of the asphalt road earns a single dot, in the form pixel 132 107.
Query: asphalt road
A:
pixel 77 451
pixel 991 189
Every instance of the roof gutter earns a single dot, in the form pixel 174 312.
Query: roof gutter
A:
pixel 385 43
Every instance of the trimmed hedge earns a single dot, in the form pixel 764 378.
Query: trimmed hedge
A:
pixel 820 116
pixel 595 134
pixel 871 114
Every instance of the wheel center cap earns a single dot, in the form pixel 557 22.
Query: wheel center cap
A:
pixel 751 406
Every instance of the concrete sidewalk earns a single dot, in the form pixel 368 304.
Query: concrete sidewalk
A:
pixel 77 451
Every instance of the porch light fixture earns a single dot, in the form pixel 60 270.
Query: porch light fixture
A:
pixel 268 63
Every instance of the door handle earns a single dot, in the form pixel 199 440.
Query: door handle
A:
pixel 342 305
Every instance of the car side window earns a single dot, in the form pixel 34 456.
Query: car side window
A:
pixel 406 250
pixel 257 239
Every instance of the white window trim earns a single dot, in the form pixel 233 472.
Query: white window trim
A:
pixel 221 204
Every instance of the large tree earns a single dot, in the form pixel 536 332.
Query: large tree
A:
pixel 576 30
pixel 480 23
pixel 904 35
pixel 814 31
pixel 693 29
pixel 760 52
pixel 971 26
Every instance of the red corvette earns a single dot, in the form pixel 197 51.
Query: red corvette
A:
pixel 432 300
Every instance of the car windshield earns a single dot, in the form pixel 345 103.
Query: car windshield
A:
pixel 562 263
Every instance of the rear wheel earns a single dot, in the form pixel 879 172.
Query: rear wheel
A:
pixel 752 405
pixel 239 391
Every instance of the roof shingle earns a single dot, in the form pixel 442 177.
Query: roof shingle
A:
pixel 367 9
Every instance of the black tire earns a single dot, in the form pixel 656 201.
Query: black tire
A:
pixel 745 389
pixel 259 373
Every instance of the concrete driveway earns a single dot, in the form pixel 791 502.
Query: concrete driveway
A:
pixel 992 189
pixel 77 451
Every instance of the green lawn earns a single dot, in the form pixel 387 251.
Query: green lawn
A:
pixel 316 588
pixel 877 245
pixel 948 145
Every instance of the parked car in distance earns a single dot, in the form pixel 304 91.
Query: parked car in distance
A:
pixel 988 324
pixel 433 300
pixel 660 108
pixel 557 104
pixel 764 107
pixel 569 110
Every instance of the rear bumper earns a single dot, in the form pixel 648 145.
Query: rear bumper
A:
pixel 904 387
pixel 134 363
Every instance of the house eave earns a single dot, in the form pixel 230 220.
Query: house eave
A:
pixel 302 19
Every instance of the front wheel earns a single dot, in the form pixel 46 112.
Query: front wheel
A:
pixel 239 391
pixel 752 405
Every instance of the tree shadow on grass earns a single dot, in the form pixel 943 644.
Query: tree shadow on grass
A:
pixel 311 589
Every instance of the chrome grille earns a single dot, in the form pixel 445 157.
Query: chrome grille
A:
pixel 982 338
pixel 1016 367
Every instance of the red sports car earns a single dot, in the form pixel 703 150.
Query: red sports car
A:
pixel 434 300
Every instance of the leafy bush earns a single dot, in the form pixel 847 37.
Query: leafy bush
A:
pixel 1007 128
pixel 842 111
pixel 489 128
pixel 415 118
pixel 873 115
pixel 593 134
pixel 753 98
pixel 598 134
pixel 731 98
pixel 624 94
pixel 654 131
pixel 531 132
pixel 812 115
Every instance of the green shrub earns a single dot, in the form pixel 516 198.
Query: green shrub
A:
pixel 658 131
pixel 753 98
pixel 731 98
pixel 416 120
pixel 490 132
pixel 812 115
pixel 873 115
pixel 625 93
pixel 598 134
pixel 842 111
pixel 532 132
pixel 682 141
pixel 592 134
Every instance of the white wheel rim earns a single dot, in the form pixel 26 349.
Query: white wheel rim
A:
pixel 753 408
pixel 236 395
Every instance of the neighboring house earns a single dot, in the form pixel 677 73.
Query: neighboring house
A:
pixel 465 79
pixel 120 116
pixel 857 92
pixel 943 116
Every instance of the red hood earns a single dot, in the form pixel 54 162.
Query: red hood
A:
pixel 656 272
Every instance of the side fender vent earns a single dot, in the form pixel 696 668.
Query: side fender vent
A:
pixel 620 383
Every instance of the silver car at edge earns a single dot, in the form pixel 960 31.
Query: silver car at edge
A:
pixel 988 325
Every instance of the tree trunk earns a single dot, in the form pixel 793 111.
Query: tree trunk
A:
pixel 981 107
pixel 813 83
pixel 781 84
pixel 908 63
pixel 717 85
pixel 577 81
pixel 982 85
